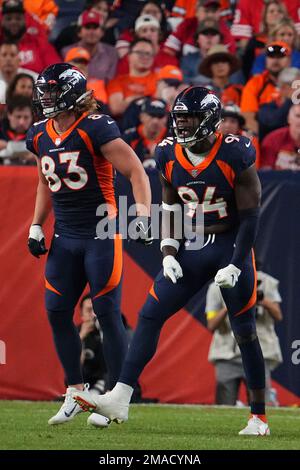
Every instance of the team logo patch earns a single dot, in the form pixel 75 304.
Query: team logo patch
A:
pixel 194 173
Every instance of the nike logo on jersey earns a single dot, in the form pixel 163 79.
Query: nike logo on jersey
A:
pixel 110 122
pixel 68 415
pixel 248 145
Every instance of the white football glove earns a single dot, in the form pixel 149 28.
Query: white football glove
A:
pixel 227 277
pixel 36 241
pixel 172 268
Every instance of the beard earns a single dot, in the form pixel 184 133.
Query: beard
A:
pixel 14 36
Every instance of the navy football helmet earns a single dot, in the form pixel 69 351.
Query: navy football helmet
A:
pixel 58 88
pixel 203 106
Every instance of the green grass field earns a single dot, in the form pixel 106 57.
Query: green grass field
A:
pixel 23 425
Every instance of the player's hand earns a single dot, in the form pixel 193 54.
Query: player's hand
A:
pixel 36 241
pixel 172 268
pixel 143 228
pixel 227 277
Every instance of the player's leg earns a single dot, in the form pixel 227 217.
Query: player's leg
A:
pixel 65 282
pixel 164 300
pixel 240 302
pixel 103 266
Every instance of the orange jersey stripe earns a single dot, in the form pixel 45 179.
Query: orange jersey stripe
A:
pixel 187 165
pixel 50 287
pixel 252 300
pixel 116 273
pixel 54 135
pixel 152 292
pixel 227 171
pixel 169 170
pixel 105 175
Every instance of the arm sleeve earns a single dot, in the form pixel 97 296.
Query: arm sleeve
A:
pixel 30 140
pixel 242 155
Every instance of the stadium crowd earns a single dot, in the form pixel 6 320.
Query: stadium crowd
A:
pixel 138 55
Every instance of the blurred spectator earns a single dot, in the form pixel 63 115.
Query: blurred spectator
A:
pixel 274 115
pixel 273 12
pixel 126 11
pixel 109 23
pixel 9 67
pixel 234 123
pixel 92 358
pixel 280 150
pixel 262 88
pixel 217 67
pixel 36 52
pixel 152 130
pixel 13 131
pixel 146 26
pixel 187 9
pixel 168 86
pixel 104 57
pixel 283 31
pixel 152 8
pixel 224 352
pixel 247 19
pixel 182 40
pixel 22 84
pixel 80 57
pixel 207 35
pixel 140 81
pixel 45 10
pixel 66 22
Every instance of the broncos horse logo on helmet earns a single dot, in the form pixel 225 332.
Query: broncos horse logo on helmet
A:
pixel 58 88
pixel 204 107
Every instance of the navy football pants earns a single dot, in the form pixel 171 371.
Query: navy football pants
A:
pixel 166 298
pixel 71 264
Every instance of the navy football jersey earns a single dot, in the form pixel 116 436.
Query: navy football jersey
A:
pixel 79 177
pixel 211 183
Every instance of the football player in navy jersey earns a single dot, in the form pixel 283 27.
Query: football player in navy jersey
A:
pixel 77 151
pixel 200 166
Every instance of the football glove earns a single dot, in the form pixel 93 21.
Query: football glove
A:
pixel 36 241
pixel 143 228
pixel 172 268
pixel 227 277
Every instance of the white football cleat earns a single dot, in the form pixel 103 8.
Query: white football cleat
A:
pixel 255 427
pixel 98 421
pixel 69 408
pixel 106 405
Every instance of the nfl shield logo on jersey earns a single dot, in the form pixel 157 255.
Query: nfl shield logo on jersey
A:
pixel 194 173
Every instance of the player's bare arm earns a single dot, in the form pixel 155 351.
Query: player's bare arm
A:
pixel 124 160
pixel 170 241
pixel 247 194
pixel 43 205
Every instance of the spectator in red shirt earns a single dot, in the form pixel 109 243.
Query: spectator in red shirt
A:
pixel 36 53
pixel 182 40
pixel 146 26
pixel 247 19
pixel 281 148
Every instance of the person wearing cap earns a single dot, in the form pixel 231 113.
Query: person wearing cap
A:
pixel 152 130
pixel 146 26
pixel 80 57
pixel 138 83
pixel 217 67
pixel 36 52
pixel 182 40
pixel 234 123
pixel 104 57
pixel 280 149
pixel 169 84
pixel 208 34
pixel 273 115
pixel 285 31
pixel 263 88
